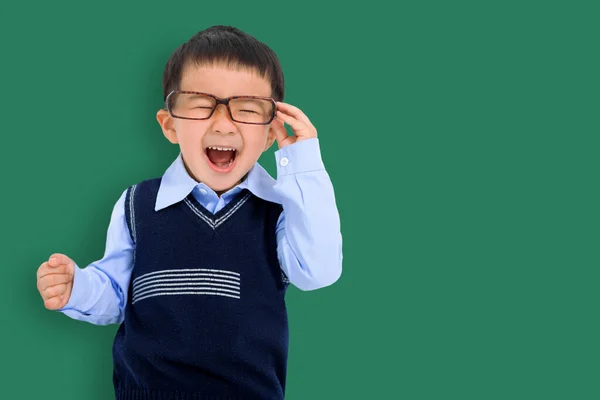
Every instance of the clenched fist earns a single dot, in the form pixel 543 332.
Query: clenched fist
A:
pixel 55 281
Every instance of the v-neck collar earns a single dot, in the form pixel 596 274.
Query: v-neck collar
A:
pixel 215 220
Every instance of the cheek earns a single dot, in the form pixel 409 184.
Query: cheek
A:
pixel 190 137
pixel 255 146
pixel 188 140
pixel 255 141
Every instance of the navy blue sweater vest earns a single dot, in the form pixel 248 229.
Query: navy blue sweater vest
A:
pixel 205 315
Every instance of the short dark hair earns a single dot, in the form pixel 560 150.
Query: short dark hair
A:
pixel 226 44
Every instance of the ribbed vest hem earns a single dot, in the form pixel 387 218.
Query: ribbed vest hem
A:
pixel 147 394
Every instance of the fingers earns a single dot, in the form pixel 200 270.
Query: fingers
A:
pixel 281 134
pixel 54 303
pixel 294 112
pixel 54 291
pixel 291 121
pixel 46 269
pixel 58 259
pixel 295 118
pixel 53 280
pixel 56 264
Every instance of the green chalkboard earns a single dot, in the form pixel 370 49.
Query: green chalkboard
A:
pixel 462 141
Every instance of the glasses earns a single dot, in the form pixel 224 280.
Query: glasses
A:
pixel 198 106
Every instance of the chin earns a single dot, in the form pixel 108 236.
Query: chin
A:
pixel 223 184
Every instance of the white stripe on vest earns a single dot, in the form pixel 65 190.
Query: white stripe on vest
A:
pixel 187 281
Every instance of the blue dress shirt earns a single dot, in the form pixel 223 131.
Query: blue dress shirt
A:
pixel 309 240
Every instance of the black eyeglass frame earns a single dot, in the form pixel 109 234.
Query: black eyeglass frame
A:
pixel 221 101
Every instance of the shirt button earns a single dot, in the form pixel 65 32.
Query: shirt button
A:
pixel 284 161
pixel 203 191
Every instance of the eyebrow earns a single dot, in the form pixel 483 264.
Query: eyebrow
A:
pixel 194 95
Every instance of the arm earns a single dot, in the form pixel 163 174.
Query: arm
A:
pixel 100 290
pixel 309 240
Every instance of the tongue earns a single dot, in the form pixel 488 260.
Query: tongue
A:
pixel 218 157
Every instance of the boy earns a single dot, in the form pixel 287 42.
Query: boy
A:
pixel 198 261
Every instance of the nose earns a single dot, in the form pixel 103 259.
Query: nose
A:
pixel 222 122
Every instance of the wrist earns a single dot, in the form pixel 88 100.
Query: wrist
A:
pixel 301 156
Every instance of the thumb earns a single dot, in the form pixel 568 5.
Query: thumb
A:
pixel 58 259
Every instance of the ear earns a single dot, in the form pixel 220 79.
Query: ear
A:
pixel 270 138
pixel 166 123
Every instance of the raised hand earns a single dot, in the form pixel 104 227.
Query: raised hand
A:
pixel 297 120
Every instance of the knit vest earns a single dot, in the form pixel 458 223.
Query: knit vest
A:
pixel 205 315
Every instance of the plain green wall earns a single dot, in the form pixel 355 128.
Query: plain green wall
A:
pixel 462 141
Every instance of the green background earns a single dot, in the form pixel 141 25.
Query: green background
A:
pixel 462 141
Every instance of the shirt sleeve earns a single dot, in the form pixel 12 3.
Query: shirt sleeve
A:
pixel 309 240
pixel 100 290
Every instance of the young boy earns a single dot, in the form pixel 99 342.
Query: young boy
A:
pixel 198 261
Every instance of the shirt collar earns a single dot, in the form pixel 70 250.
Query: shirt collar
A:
pixel 176 184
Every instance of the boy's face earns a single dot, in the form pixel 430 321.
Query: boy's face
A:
pixel 196 136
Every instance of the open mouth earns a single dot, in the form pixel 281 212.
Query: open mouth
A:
pixel 221 159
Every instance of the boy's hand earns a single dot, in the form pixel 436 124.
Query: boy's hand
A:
pixel 294 117
pixel 55 281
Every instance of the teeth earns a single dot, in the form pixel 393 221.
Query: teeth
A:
pixel 221 148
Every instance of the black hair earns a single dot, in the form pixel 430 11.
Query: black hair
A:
pixel 229 45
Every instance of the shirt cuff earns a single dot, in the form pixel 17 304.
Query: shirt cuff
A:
pixel 299 157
